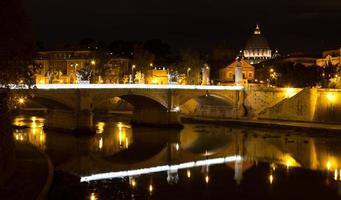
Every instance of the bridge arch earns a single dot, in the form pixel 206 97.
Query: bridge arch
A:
pixel 132 98
pixel 43 102
pixel 210 105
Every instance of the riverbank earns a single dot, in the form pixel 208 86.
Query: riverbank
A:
pixel 31 176
pixel 261 123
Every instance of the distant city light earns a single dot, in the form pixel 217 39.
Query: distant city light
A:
pixel 188 173
pixel 271 178
pixel 290 92
pixel 331 97
pixel 207 179
pixel 21 100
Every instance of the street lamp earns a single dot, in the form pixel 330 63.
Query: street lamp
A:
pixel 132 73
pixel 188 69
pixel 93 62
pixel 21 100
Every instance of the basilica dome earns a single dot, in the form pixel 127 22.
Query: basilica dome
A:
pixel 257 48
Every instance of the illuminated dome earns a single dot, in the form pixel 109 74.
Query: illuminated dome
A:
pixel 257 48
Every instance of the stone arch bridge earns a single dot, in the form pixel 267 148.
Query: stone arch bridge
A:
pixel 72 106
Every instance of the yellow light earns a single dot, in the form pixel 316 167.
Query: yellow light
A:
pixel 207 178
pixel 127 142
pixel 335 174
pixel 93 62
pixel 188 173
pixel 133 183
pixel 177 146
pixel 290 92
pixel 42 138
pixel 328 165
pixel 271 178
pixel 271 70
pixel 100 143
pixel 331 97
pixel 151 64
pixel 151 188
pixel 134 66
pixel 93 196
pixel 100 127
pixel 21 100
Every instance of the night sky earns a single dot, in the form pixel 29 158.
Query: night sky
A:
pixel 289 25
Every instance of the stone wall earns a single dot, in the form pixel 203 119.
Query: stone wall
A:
pixel 314 105
pixel 258 99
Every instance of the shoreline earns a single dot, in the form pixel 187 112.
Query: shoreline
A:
pixel 261 123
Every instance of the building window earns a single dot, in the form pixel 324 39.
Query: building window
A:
pixel 230 75
pixel 250 75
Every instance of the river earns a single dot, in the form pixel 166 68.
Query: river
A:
pixel 201 161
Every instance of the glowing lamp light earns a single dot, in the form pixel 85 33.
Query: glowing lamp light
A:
pixel 271 178
pixel 328 165
pixel 100 143
pixel 188 173
pixel 133 183
pixel 331 97
pixel 93 62
pixel 290 92
pixel 207 179
pixel 93 196
pixel 21 100
pixel 150 188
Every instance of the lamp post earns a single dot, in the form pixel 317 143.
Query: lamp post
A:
pixel 188 69
pixel 132 73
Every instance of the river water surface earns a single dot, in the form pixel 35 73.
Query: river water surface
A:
pixel 200 161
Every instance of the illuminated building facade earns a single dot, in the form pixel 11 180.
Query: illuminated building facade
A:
pixel 157 76
pixel 116 69
pixel 331 57
pixel 62 66
pixel 228 74
pixel 257 48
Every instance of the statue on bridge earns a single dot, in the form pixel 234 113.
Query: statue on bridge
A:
pixel 84 75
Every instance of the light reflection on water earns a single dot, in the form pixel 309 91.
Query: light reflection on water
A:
pixel 111 137
pixel 283 151
pixel 33 134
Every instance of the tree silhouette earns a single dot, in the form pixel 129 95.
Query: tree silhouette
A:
pixel 16 51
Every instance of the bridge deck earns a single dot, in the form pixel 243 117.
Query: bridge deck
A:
pixel 136 86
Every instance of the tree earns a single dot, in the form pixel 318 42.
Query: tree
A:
pixel 16 52
pixel 143 59
pixel 191 65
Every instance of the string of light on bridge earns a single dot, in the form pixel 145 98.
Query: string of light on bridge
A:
pixel 136 86
pixel 136 172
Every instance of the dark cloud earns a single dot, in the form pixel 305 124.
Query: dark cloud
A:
pixel 288 24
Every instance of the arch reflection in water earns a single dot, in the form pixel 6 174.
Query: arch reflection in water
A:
pixel 32 131
pixel 112 137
